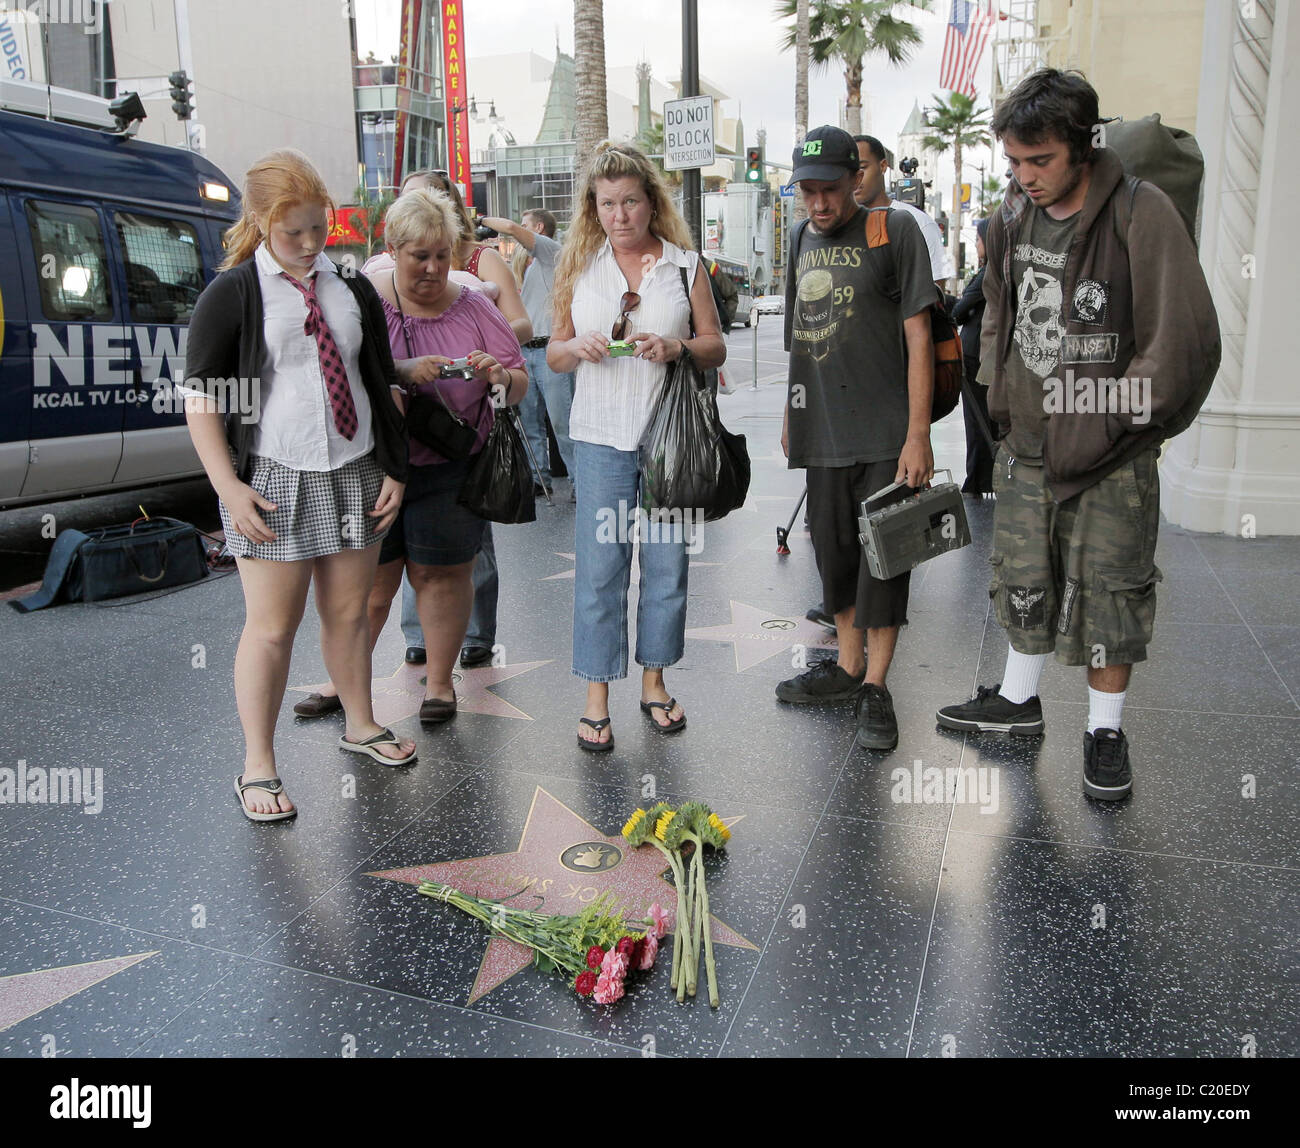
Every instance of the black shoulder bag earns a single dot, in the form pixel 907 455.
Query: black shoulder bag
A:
pixel 430 420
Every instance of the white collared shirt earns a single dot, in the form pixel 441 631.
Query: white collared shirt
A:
pixel 296 426
pixel 613 399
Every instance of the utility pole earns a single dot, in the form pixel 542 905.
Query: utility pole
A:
pixel 691 87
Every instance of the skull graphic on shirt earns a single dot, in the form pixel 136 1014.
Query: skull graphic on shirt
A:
pixel 1038 322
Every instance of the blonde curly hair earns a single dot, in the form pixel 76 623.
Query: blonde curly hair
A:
pixel 585 235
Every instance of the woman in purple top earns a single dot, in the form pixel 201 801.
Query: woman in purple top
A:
pixel 431 322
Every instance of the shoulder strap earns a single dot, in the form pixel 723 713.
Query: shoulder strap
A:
pixel 686 288
pixel 58 568
pixel 1123 215
pixel 472 265
pixel 877 230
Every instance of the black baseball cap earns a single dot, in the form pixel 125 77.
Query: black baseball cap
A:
pixel 827 153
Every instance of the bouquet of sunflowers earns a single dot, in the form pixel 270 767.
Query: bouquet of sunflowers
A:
pixel 680 835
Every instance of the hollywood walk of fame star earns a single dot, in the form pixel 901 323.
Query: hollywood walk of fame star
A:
pixel 761 634
pixel 25 994
pixel 399 696
pixel 563 863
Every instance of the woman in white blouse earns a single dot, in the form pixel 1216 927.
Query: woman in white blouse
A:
pixel 620 278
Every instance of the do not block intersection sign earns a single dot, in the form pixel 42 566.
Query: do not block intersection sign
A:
pixel 688 133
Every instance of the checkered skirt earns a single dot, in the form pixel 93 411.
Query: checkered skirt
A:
pixel 317 512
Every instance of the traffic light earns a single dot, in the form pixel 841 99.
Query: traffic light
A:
pixel 942 221
pixel 182 103
pixel 753 165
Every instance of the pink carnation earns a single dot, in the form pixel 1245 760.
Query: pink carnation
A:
pixel 647 950
pixel 660 918
pixel 608 989
pixel 614 965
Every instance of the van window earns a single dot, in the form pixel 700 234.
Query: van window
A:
pixel 164 271
pixel 70 265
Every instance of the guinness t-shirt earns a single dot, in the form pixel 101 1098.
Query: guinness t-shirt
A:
pixel 848 373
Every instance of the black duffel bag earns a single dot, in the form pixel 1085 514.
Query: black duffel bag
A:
pixel 145 555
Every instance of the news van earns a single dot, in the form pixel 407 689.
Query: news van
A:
pixel 106 242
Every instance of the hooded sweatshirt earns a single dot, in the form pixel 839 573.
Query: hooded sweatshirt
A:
pixel 1135 307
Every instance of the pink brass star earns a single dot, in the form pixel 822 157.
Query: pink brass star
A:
pixel 399 695
pixel 761 634
pixel 535 867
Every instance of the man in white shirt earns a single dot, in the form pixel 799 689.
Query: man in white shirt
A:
pixel 874 192
pixel 549 392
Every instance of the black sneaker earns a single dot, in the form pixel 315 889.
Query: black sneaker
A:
pixel 415 655
pixel 989 711
pixel 1106 772
pixel 877 726
pixel 821 682
pixel 818 615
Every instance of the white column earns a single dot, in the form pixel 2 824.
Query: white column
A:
pixel 1238 465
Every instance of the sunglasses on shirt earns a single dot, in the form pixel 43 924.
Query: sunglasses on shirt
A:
pixel 630 302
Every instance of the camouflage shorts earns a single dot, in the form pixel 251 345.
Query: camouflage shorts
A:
pixel 1080 577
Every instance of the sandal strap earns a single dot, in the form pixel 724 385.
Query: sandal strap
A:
pixel 597 724
pixel 271 784
pixel 384 737
pixel 665 706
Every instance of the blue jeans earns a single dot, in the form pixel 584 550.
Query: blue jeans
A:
pixel 482 619
pixel 549 393
pixel 608 487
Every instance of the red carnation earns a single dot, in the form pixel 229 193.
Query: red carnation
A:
pixel 638 951
pixel 626 947
pixel 595 955
pixel 585 984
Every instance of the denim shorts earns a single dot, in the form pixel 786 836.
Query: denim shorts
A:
pixel 432 528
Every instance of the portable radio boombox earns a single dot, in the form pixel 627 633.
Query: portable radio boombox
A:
pixel 900 536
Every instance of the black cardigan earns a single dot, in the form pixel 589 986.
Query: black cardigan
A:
pixel 226 341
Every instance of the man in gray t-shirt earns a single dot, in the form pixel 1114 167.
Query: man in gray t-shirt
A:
pixel 550 392
pixel 858 295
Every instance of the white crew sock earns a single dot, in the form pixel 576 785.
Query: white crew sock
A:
pixel 1104 710
pixel 1020 678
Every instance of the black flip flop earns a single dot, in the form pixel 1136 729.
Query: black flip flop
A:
pixel 648 709
pixel 597 724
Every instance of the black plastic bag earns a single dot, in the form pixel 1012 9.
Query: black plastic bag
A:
pixel 689 461
pixel 499 485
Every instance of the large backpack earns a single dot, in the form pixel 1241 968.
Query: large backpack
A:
pixel 945 339
pixel 1168 157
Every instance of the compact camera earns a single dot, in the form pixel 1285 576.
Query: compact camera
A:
pixel 457 369
pixel 620 347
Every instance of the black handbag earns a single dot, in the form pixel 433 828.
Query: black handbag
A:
pixel 499 485
pixel 429 420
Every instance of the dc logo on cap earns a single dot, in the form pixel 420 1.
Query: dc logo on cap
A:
pixel 812 147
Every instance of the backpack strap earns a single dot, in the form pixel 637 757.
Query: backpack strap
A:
pixel 796 241
pixel 877 229
pixel 59 573
pixel 1123 215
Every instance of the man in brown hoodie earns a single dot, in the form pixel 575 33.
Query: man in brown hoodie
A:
pixel 1099 342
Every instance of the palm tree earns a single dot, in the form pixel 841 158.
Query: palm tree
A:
pixel 801 39
pixel 849 31
pixel 589 79
pixel 956 123
pixel 992 193
pixel 369 215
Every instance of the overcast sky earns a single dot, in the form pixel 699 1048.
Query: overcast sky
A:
pixel 739 52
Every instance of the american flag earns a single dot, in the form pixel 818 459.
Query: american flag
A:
pixel 963 46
